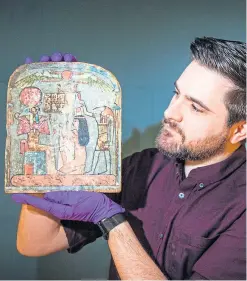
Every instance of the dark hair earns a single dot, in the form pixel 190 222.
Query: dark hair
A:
pixel 83 133
pixel 228 58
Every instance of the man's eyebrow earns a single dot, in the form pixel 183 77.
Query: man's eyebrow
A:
pixel 193 99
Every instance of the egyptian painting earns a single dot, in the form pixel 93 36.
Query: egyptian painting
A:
pixel 63 128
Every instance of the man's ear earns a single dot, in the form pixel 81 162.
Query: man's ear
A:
pixel 239 132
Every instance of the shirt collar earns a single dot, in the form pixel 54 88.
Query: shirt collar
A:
pixel 212 173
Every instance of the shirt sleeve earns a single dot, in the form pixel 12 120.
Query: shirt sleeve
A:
pixel 226 257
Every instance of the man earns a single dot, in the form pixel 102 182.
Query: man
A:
pixel 181 212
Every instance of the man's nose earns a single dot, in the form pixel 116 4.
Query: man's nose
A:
pixel 174 112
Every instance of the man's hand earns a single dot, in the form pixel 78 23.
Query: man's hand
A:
pixel 73 205
pixel 56 57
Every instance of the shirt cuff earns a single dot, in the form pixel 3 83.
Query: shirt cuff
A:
pixel 79 234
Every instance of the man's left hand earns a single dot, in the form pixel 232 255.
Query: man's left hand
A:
pixel 73 205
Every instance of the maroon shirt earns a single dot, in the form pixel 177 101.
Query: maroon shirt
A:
pixel 194 227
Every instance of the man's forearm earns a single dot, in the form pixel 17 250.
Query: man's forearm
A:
pixel 131 260
pixel 36 232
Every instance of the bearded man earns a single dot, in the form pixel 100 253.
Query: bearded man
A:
pixel 181 211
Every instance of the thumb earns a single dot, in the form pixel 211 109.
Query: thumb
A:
pixel 66 197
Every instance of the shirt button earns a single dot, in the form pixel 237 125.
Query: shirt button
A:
pixel 201 185
pixel 161 235
pixel 181 195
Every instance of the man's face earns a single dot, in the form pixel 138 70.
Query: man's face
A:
pixel 195 123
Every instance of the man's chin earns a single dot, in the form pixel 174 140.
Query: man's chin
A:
pixel 168 148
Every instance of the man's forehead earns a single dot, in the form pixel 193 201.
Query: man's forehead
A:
pixel 200 82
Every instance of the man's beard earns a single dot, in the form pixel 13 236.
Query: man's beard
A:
pixel 197 150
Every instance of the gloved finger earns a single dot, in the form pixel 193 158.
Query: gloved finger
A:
pixel 67 197
pixel 28 60
pixel 45 58
pixel 69 58
pixel 58 210
pixel 56 57
pixel 19 197
pixel 60 197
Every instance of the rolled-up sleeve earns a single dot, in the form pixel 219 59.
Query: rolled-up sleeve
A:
pixel 226 257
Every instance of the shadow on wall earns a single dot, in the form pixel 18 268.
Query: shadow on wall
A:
pixel 141 140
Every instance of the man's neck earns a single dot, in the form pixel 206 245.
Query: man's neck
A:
pixel 191 165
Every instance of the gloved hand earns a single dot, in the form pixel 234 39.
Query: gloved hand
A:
pixel 73 205
pixel 55 57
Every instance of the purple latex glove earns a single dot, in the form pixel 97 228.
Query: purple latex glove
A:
pixel 73 205
pixel 55 57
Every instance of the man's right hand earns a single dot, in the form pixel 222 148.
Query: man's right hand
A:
pixel 55 57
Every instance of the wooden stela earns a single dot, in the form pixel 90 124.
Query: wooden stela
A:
pixel 63 129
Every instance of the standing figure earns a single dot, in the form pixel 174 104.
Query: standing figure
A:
pixel 81 110
pixel 79 138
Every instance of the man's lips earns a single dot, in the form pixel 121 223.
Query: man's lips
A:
pixel 169 127
pixel 170 130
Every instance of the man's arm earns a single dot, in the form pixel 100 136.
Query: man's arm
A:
pixel 39 233
pixel 131 260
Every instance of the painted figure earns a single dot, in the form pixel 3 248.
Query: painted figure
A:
pixel 79 138
pixel 32 124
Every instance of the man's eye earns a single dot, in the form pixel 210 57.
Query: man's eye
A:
pixel 195 108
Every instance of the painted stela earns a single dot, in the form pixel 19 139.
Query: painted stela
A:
pixel 63 129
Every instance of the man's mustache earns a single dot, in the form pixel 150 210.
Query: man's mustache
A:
pixel 172 125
